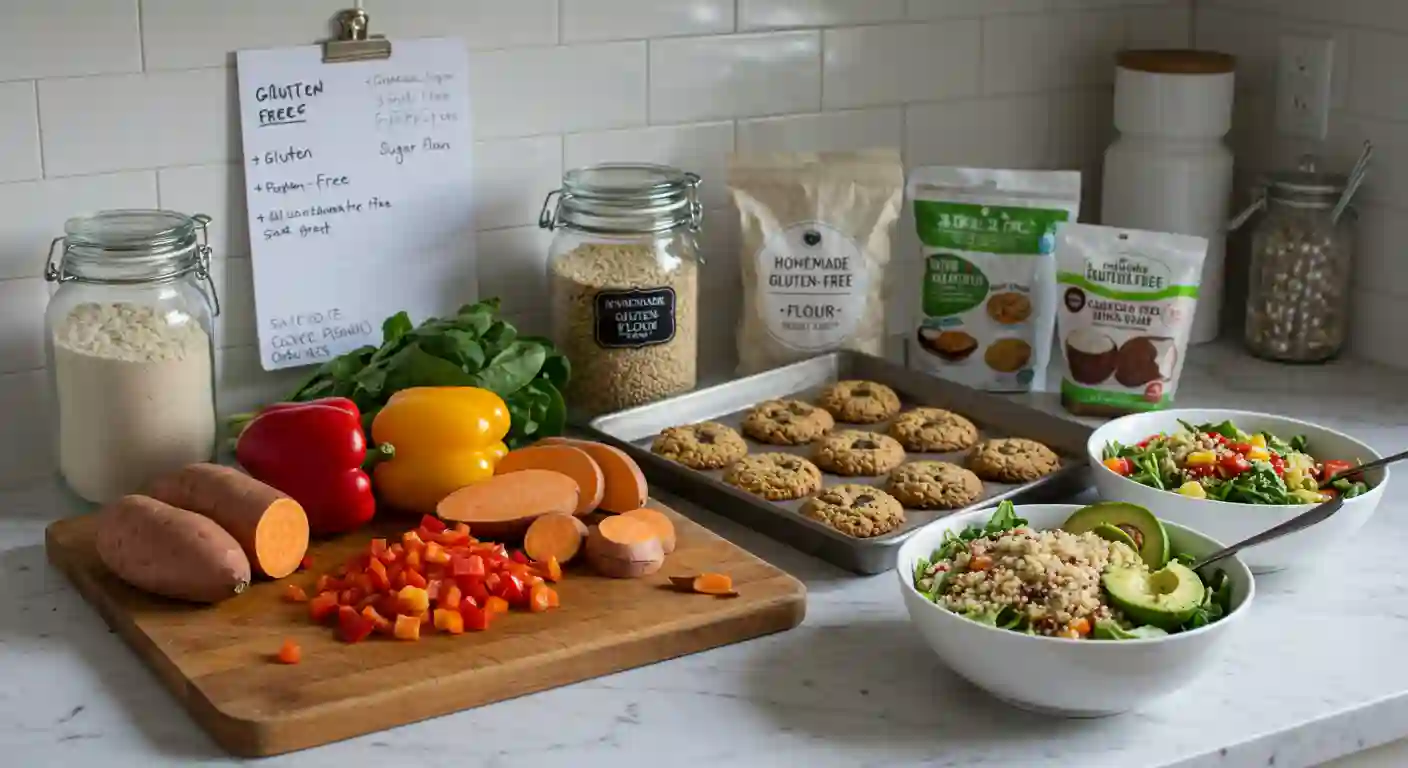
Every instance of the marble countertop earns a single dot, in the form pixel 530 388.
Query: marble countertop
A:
pixel 1316 674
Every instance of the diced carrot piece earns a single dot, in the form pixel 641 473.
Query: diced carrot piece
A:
pixel 553 600
pixel 377 548
pixel 414 579
pixel 496 604
pixel 412 540
pixel 449 620
pixel 434 553
pixel 450 595
pixel 538 599
pixel 413 560
pixel 295 594
pixel 289 652
pixel 407 628
pixel 380 582
pixel 381 623
pixel 413 600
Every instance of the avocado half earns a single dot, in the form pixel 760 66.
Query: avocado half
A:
pixel 1142 530
pixel 1165 598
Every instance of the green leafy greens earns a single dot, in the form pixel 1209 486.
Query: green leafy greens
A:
pixel 474 348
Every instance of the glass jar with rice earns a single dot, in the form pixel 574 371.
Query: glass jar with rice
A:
pixel 623 283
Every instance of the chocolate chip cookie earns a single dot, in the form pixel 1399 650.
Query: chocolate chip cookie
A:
pixel 775 476
pixel 933 430
pixel 787 422
pixel 854 452
pixel 860 402
pixel 706 445
pixel 856 510
pixel 934 485
pixel 1012 460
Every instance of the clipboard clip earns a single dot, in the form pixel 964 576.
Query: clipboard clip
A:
pixel 352 42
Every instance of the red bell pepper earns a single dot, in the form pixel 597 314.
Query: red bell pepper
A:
pixel 313 452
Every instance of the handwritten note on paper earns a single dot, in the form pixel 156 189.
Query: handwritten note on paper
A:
pixel 357 182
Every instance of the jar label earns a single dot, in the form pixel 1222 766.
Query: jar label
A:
pixel 635 318
pixel 813 280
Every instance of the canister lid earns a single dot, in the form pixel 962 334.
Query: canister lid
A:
pixel 625 198
pixel 1173 61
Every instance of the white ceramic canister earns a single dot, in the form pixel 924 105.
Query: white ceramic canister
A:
pixel 1169 170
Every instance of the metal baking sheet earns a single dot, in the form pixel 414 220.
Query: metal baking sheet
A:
pixel 635 429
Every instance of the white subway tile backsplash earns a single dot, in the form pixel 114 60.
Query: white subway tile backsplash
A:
pixel 216 191
pixel 22 333
pixel 823 132
pixel 185 34
pixel 632 19
pixel 123 122
pixel 703 149
pixel 1011 132
pixel 513 264
pixel 27 431
pixel 532 91
pixel 234 280
pixel 1082 126
pixel 241 385
pixel 482 24
pixel 1378 262
pixel 783 14
pixel 511 177
pixel 1376 329
pixel 19 132
pixel 34 212
pixel 61 38
pixel 1029 54
pixel 899 63
pixel 1377 85
pixel 707 78
pixel 1159 26
pixel 947 9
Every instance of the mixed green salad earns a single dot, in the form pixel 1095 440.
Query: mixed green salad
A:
pixel 1224 463
pixel 1105 574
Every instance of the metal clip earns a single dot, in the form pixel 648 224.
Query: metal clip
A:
pixel 1257 205
pixel 696 208
pixel 548 219
pixel 203 261
pixel 353 43
pixel 55 274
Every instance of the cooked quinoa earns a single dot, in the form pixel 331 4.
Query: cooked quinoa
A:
pixel 1050 578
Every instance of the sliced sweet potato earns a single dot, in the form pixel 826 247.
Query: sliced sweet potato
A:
pixel 565 459
pixel 623 548
pixel 659 523
pixel 554 536
pixel 271 527
pixel 169 551
pixel 626 488
pixel 503 506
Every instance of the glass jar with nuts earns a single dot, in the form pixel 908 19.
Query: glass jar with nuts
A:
pixel 1298 297
pixel 623 277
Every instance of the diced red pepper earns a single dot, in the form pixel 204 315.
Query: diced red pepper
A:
pixel 379 623
pixel 352 626
pixel 325 583
pixel 412 540
pixel 378 547
pixel 450 595
pixel 407 628
pixel 453 538
pixel 322 606
pixel 473 586
pixel 289 652
pixel 1234 464
pixel 413 560
pixel 1241 447
pixel 1336 467
pixel 476 619
pixel 432 524
pixel 1278 465
pixel 434 553
pixel 492 581
pixel 519 557
pixel 513 589
pixel 1201 471
pixel 295 594
pixel 379 578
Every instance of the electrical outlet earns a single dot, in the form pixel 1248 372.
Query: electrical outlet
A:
pixel 1303 75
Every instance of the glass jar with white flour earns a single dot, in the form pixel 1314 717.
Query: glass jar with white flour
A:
pixel 129 332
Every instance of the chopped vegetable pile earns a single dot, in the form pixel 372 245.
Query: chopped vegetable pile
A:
pixel 1223 463
pixel 475 348
pixel 435 578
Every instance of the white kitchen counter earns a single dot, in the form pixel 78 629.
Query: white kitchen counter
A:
pixel 1316 673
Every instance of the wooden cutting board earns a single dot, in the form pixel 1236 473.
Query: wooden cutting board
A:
pixel 218 660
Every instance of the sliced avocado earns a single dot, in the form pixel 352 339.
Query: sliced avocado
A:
pixel 1111 533
pixel 1138 523
pixel 1165 599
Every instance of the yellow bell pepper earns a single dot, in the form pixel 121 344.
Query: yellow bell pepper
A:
pixel 1258 440
pixel 1259 454
pixel 444 439
pixel 1193 489
pixel 1201 459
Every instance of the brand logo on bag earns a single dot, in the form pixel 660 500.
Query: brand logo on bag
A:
pixel 812 238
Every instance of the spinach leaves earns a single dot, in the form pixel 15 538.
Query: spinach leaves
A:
pixel 475 348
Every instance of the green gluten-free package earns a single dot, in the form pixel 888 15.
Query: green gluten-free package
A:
pixel 987 305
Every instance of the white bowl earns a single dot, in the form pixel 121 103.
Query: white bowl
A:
pixel 1070 678
pixel 1230 522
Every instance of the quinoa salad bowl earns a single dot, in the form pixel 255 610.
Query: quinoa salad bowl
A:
pixel 1066 610
pixel 1182 467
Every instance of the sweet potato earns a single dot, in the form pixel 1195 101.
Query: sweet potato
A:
pixel 623 548
pixel 626 488
pixel 170 552
pixel 270 527
pixel 503 506
pixel 564 459
pixel 554 536
pixel 659 523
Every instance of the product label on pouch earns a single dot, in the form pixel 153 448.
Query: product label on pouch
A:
pixel 813 282
pixel 634 319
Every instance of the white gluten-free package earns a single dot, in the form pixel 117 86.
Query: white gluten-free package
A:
pixel 1126 310
pixel 987 300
